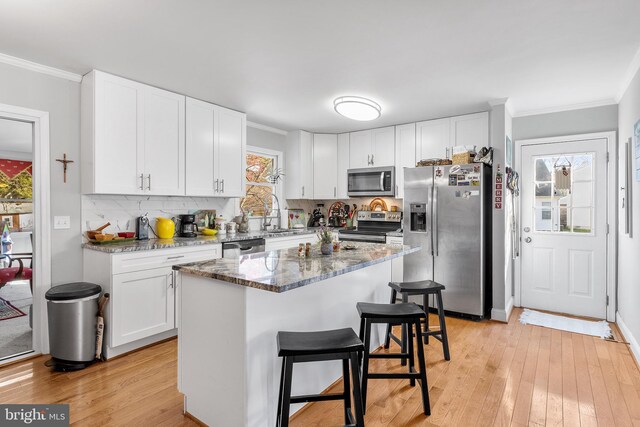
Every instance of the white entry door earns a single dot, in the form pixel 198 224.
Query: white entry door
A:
pixel 564 227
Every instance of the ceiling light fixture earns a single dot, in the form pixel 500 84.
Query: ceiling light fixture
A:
pixel 357 108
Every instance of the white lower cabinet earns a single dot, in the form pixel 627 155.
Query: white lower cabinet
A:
pixel 142 285
pixel 275 243
pixel 397 264
pixel 143 304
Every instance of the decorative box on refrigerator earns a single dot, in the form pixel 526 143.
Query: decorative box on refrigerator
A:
pixel 447 211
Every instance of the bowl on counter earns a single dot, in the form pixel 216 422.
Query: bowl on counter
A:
pixel 126 234
pixel 104 237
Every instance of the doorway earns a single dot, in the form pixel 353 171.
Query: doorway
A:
pixel 16 241
pixel 40 237
pixel 566 204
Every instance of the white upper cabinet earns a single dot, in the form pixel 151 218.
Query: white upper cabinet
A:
pixel 405 154
pixel 471 129
pixel 216 144
pixel 360 149
pixel 343 165
pixel 372 148
pixel 200 148
pixel 383 146
pixel 164 142
pixel 299 165
pixel 325 166
pixel 436 138
pixel 133 139
pixel 433 140
pixel 231 143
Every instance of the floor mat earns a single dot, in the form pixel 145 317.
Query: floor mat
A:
pixel 8 311
pixel 597 329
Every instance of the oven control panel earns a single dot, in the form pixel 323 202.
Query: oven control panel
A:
pixel 379 216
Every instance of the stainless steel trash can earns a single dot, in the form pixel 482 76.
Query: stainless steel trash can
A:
pixel 72 313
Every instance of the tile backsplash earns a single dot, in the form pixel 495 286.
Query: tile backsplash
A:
pixel 121 211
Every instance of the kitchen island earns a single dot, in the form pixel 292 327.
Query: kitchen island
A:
pixel 230 309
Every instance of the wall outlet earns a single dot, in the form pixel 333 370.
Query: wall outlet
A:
pixel 61 222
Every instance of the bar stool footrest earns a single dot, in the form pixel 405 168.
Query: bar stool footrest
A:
pixel 388 355
pixel 317 397
pixel 394 376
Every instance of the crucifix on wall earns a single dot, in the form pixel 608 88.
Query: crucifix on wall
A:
pixel 64 162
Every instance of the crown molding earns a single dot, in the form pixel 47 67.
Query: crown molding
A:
pixel 502 101
pixel 266 128
pixel 39 68
pixel 632 70
pixel 560 108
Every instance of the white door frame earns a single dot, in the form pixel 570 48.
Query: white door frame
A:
pixel 612 217
pixel 41 218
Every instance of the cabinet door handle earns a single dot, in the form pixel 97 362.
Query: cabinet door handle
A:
pixel 216 185
pixel 372 163
pixel 149 186
pixel 447 152
pixel 303 191
pixel 334 191
pixel 142 181
pixel 175 257
pixel 171 279
pixel 222 184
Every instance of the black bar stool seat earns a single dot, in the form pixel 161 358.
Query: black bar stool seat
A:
pixel 417 288
pixel 410 316
pixel 318 342
pixel 315 346
pixel 424 288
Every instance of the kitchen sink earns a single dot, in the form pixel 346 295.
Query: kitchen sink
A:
pixel 280 231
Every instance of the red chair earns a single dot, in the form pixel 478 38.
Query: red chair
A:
pixel 11 274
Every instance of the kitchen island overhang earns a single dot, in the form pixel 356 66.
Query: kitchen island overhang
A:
pixel 229 311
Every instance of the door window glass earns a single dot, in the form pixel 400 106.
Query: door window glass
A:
pixel 563 192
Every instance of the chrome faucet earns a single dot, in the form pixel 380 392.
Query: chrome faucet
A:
pixel 266 223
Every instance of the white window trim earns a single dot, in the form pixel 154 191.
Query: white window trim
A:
pixel 279 155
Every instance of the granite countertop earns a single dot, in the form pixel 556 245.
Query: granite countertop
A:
pixel 177 242
pixel 283 270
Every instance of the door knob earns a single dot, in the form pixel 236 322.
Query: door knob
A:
pixel 527 229
pixel 528 240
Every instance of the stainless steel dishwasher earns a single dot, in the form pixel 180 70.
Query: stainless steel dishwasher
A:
pixel 242 247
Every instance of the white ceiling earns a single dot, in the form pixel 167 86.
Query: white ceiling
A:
pixel 284 61
pixel 16 137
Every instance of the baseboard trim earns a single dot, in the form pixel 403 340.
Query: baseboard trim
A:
pixel 503 315
pixel 633 344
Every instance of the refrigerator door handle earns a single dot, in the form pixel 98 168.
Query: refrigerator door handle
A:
pixel 430 219
pixel 435 219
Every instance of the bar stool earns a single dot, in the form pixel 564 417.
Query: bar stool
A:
pixel 424 288
pixel 338 344
pixel 409 315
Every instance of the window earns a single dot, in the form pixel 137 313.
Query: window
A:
pixel 564 188
pixel 263 180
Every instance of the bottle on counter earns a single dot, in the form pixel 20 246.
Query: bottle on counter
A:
pixel 307 250
pixel 301 251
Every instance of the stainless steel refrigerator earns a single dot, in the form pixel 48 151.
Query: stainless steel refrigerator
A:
pixel 447 211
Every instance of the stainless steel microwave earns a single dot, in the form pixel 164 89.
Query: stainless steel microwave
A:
pixel 371 182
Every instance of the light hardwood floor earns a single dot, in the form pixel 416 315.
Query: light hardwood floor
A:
pixel 499 375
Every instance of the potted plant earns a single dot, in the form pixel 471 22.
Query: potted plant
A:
pixel 326 240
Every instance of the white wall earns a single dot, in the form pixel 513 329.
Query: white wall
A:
pixel 629 247
pixel 266 139
pixel 61 99
pixel 573 122
pixel 500 127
